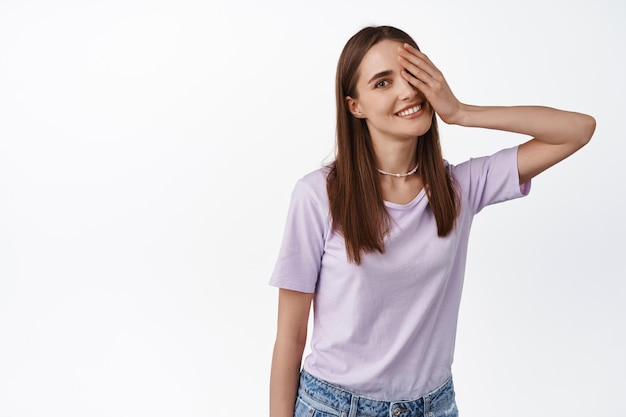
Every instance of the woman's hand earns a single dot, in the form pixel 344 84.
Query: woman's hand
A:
pixel 556 133
pixel 422 74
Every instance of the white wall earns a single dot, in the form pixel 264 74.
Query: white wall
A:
pixel 147 154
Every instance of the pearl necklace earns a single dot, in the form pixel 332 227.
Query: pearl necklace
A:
pixel 411 172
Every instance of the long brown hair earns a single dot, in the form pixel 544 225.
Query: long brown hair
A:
pixel 357 208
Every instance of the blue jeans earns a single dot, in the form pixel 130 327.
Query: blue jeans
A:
pixel 317 398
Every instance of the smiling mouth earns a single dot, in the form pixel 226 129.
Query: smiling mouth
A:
pixel 409 111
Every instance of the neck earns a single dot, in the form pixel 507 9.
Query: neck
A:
pixel 395 157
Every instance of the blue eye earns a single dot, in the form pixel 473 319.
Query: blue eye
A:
pixel 381 84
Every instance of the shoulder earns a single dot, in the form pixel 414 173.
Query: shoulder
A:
pixel 489 179
pixel 313 185
pixel 504 159
pixel 317 177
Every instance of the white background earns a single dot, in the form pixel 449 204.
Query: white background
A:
pixel 147 153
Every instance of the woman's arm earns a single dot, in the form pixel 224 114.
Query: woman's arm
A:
pixel 556 133
pixel 293 318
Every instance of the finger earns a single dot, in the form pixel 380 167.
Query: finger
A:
pixel 416 82
pixel 420 59
pixel 419 54
pixel 429 75
pixel 410 78
pixel 416 71
pixel 407 57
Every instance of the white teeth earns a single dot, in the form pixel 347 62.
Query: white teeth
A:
pixel 409 111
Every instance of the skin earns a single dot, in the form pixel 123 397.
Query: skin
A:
pixel 293 317
pixel 411 78
pixel 382 92
pixel 556 134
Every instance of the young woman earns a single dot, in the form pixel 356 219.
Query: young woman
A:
pixel 377 240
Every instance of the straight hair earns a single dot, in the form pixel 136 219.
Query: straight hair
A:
pixel 357 208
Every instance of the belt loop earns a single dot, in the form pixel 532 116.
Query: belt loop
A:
pixel 354 405
pixel 427 406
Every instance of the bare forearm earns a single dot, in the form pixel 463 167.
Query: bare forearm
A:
pixel 285 376
pixel 549 126
pixel 546 124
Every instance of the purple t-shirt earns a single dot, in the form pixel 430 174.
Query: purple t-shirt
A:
pixel 386 329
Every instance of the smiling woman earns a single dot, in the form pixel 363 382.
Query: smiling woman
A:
pixel 385 99
pixel 379 238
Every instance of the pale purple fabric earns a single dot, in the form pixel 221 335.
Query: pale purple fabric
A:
pixel 386 329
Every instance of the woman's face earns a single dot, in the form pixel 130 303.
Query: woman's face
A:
pixel 392 108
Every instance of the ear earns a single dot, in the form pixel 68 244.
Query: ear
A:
pixel 354 108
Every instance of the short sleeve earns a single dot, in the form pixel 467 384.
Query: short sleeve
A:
pixel 491 179
pixel 299 259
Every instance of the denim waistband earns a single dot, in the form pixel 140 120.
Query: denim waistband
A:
pixel 345 403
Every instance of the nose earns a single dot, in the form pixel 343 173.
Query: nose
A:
pixel 406 90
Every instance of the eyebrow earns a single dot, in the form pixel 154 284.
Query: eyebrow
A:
pixel 380 75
